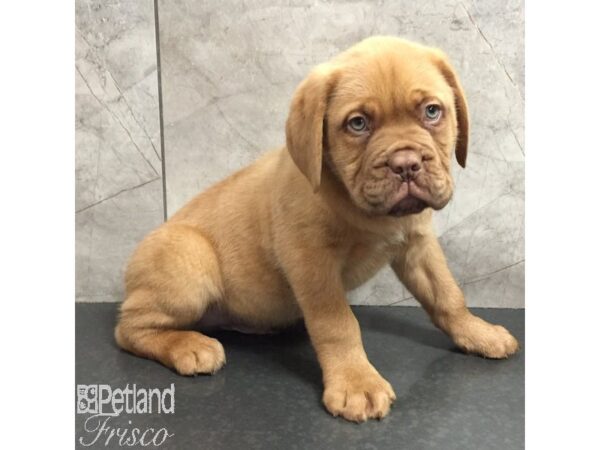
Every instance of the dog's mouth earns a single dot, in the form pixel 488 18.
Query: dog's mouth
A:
pixel 410 199
pixel 391 196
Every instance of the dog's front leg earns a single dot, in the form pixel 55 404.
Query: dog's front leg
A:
pixel 353 387
pixel 422 268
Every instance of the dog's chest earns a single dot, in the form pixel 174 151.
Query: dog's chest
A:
pixel 364 261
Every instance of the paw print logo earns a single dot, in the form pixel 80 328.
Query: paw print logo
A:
pixel 87 399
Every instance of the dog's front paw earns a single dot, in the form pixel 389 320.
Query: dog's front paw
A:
pixel 358 393
pixel 475 335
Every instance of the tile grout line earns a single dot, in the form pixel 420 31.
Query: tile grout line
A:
pixel 160 110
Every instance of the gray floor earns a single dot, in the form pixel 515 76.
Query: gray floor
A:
pixel 268 394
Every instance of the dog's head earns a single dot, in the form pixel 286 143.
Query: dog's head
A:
pixel 384 118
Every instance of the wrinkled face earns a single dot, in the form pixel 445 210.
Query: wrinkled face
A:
pixel 391 129
pixel 391 126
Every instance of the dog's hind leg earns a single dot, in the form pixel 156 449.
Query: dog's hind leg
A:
pixel 172 278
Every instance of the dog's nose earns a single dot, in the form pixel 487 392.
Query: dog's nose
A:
pixel 406 163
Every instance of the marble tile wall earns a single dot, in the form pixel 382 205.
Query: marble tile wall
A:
pixel 228 71
pixel 118 157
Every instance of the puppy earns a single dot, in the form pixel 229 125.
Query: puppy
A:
pixel 370 136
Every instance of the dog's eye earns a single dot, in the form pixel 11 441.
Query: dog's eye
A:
pixel 433 113
pixel 357 124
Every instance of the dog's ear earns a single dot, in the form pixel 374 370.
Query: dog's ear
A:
pixel 306 121
pixel 462 112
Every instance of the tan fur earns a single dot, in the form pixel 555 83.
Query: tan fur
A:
pixel 287 237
